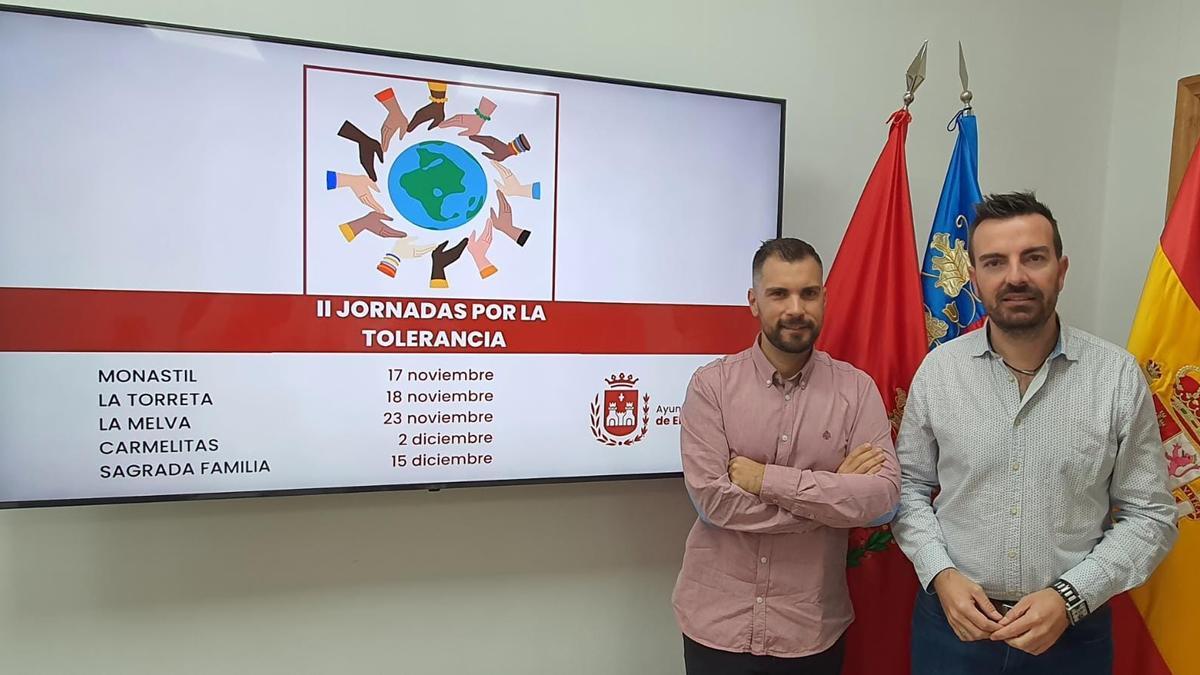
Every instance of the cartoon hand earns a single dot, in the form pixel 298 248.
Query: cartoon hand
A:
pixel 478 248
pixel 361 186
pixel 373 223
pixel 435 111
pixel 499 150
pixel 368 148
pixel 512 187
pixel 471 124
pixel 405 249
pixel 503 222
pixel 443 259
pixel 395 120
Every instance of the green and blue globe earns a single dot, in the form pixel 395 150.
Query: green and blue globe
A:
pixel 437 185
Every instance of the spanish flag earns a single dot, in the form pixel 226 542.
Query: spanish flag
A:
pixel 1161 635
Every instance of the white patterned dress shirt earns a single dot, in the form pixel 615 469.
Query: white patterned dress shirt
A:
pixel 1027 484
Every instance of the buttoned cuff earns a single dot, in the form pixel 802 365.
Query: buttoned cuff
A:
pixel 929 561
pixel 1090 579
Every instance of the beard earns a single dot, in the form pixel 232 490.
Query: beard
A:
pixel 793 337
pixel 1020 309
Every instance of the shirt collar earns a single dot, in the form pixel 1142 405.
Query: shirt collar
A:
pixel 981 342
pixel 768 375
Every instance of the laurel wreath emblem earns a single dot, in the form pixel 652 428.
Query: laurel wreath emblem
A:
pixel 603 436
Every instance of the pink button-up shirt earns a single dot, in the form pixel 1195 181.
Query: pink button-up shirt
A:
pixel 766 574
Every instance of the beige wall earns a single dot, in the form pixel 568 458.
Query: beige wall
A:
pixel 576 578
pixel 1159 44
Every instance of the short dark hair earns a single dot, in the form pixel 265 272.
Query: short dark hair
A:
pixel 787 249
pixel 1011 205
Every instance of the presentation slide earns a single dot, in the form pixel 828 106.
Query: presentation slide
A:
pixel 234 265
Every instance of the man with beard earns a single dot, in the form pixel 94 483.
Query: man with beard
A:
pixel 783 449
pixel 1044 443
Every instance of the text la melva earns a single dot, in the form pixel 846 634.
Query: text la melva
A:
pixel 145 423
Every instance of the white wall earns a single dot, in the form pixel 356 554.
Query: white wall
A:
pixel 1158 46
pixel 577 578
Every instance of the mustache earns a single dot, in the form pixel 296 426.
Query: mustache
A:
pixel 796 324
pixel 1031 291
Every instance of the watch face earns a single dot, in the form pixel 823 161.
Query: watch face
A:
pixel 1075 613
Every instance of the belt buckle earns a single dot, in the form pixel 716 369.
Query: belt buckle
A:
pixel 1004 607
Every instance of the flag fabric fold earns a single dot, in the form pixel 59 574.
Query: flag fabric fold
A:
pixel 1155 625
pixel 952 307
pixel 874 320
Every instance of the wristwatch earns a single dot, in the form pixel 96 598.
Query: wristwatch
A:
pixel 1077 607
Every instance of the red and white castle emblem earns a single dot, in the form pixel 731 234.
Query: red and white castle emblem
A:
pixel 619 415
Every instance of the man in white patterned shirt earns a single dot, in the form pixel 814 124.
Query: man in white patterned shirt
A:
pixel 1042 445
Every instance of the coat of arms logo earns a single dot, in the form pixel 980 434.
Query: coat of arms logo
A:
pixel 619 417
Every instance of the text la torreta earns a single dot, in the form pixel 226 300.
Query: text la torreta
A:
pixel 157 398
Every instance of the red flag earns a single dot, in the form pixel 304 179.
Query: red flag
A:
pixel 874 319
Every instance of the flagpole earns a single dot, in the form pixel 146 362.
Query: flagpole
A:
pixel 915 75
pixel 966 94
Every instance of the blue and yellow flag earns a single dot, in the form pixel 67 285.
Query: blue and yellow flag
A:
pixel 952 307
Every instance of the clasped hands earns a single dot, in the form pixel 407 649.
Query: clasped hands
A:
pixel 1033 625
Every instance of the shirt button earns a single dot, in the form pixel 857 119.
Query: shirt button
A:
pixel 787 397
pixel 1015 511
pixel 762 560
pixel 803 385
pixel 758 599
pixel 1016 466
pixel 783 438
pixel 1012 555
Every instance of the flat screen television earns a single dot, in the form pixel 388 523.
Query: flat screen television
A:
pixel 237 265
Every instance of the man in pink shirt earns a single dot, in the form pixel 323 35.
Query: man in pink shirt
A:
pixel 783 448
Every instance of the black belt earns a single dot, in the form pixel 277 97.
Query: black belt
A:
pixel 1005 606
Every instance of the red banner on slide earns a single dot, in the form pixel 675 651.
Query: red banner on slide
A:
pixel 69 320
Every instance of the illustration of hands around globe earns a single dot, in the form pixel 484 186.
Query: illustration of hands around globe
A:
pixel 434 186
pixel 437 185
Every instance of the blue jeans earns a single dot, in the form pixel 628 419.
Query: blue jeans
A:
pixel 1084 649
